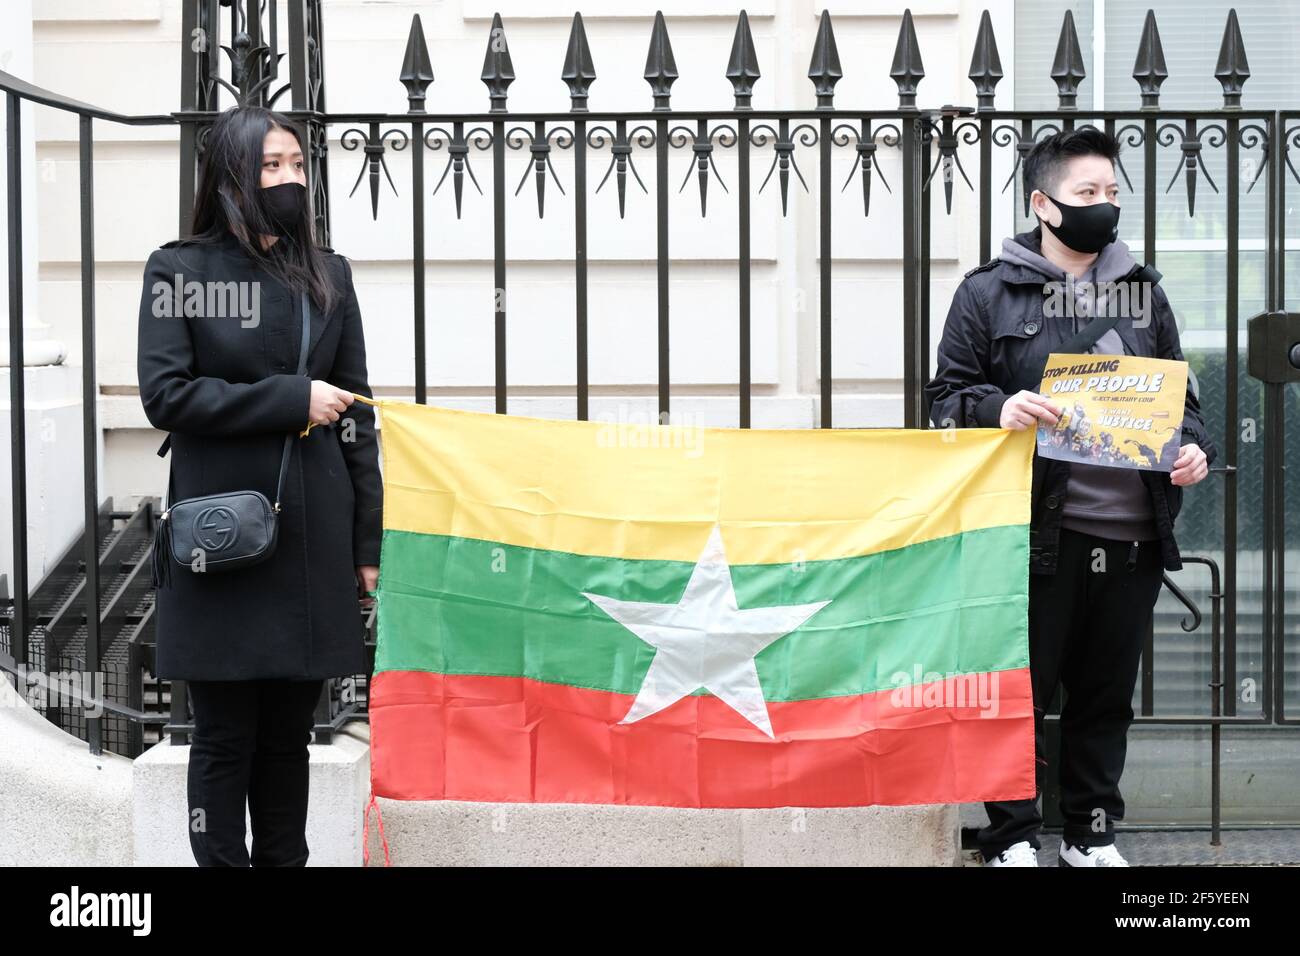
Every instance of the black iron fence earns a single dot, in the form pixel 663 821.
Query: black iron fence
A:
pixel 650 148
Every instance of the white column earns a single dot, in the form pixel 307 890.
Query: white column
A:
pixel 52 390
pixel 16 58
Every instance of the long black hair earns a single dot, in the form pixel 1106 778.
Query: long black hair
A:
pixel 229 200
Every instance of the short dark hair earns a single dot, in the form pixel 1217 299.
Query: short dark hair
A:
pixel 1045 164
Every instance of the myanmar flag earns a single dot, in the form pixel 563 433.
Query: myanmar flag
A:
pixel 587 612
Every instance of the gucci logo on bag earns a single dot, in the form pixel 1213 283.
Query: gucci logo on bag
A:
pixel 216 528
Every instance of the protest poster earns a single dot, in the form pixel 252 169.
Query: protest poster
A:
pixel 1121 411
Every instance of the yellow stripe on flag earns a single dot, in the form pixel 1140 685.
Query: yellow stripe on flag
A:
pixel 654 492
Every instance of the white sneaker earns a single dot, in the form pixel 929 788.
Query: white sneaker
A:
pixel 1090 856
pixel 1018 854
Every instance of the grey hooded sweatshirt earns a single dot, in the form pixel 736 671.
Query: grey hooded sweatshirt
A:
pixel 1100 500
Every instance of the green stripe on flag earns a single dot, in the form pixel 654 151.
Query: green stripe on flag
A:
pixel 949 606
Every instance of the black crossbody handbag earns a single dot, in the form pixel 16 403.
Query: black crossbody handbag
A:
pixel 222 532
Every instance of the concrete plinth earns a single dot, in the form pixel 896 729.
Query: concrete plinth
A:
pixel 60 805
pixel 452 833
pixel 340 783
pixel 457 833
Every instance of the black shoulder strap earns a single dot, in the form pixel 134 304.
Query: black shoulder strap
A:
pixel 288 439
pixel 302 367
pixel 1146 273
pixel 1091 334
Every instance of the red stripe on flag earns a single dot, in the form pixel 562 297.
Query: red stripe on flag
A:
pixel 515 740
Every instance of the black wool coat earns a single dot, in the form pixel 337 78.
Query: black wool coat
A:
pixel 225 385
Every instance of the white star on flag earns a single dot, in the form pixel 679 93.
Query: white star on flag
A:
pixel 705 640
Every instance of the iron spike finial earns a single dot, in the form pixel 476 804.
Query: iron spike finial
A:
pixel 498 70
pixel 660 67
pixel 824 68
pixel 1149 68
pixel 742 65
pixel 579 71
pixel 907 70
pixel 1067 66
pixel 1232 70
pixel 985 64
pixel 417 69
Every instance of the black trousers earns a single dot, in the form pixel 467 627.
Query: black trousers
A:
pixel 250 745
pixel 1086 626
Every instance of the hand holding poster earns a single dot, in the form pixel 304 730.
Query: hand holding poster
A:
pixel 1123 411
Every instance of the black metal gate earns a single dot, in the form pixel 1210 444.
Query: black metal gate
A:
pixel 236 46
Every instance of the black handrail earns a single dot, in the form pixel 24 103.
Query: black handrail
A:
pixel 36 94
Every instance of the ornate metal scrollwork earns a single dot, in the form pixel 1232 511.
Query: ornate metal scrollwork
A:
pixel 783 142
pixel 1190 141
pixel 458 164
pixel 701 140
pixel 866 148
pixel 1024 139
pixel 620 147
pixel 372 145
pixel 539 145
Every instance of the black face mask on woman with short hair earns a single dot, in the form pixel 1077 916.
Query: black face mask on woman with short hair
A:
pixel 1086 228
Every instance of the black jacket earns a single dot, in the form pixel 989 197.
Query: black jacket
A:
pixel 227 391
pixel 996 341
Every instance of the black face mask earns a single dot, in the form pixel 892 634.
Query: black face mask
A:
pixel 284 204
pixel 1086 228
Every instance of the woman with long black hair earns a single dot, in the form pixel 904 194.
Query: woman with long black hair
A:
pixel 220 338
